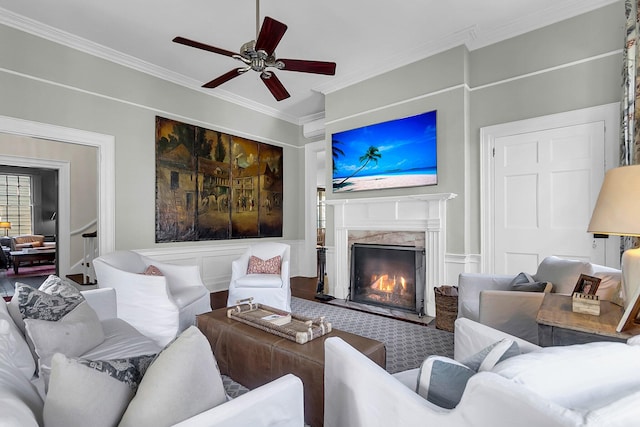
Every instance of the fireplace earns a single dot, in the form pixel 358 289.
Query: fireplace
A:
pixel 390 276
pixel 424 214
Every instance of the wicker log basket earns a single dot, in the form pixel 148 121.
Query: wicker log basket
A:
pixel 446 306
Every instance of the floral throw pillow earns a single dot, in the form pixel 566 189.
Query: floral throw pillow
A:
pixel 129 371
pixel 260 266
pixel 53 300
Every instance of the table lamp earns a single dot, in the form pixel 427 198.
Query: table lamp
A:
pixel 6 225
pixel 617 212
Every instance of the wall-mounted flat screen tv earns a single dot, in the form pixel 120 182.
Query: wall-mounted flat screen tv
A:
pixel 393 154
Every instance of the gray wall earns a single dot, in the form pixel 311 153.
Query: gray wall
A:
pixel 46 82
pixel 566 66
pixel 546 71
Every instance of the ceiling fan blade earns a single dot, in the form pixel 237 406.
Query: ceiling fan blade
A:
pixel 315 67
pixel 203 46
pixel 223 78
pixel 275 86
pixel 270 35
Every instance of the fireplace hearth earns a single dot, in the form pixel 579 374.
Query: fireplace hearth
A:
pixel 391 276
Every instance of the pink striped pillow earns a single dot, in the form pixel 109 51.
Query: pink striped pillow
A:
pixel 260 266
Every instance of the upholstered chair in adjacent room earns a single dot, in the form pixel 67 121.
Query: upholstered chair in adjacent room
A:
pixel 160 300
pixel 262 273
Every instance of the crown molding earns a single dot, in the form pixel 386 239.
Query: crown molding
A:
pixel 55 35
pixel 472 37
pixel 407 57
pixel 537 20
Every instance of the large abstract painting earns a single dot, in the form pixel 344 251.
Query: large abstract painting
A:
pixel 211 185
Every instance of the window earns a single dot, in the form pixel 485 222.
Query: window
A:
pixel 321 216
pixel 16 205
pixel 175 180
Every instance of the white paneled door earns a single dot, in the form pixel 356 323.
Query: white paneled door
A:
pixel 545 186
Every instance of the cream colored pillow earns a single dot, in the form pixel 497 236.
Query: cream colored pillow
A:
pixel 73 335
pixel 182 382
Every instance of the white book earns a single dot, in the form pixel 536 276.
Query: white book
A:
pixel 278 319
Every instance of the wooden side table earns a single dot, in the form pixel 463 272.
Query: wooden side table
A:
pixel 559 325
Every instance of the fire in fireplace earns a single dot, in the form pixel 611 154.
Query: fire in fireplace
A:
pixel 388 275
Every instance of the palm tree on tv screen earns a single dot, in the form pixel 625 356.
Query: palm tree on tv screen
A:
pixel 336 152
pixel 372 154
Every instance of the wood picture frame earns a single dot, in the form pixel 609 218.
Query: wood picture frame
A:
pixel 630 315
pixel 587 285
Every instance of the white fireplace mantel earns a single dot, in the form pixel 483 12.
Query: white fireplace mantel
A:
pixel 425 213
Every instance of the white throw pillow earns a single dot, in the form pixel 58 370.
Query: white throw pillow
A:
pixel 610 287
pixel 73 335
pixel 182 382
pixel 91 393
pixel 577 376
pixel 20 402
pixel 17 348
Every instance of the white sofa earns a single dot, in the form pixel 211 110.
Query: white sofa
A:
pixel 22 395
pixel 487 298
pixel 595 384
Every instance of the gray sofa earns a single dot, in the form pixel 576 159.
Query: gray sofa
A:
pixel 488 298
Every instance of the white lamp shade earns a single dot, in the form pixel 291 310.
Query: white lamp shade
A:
pixel 617 210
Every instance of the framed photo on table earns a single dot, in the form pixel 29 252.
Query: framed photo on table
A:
pixel 630 315
pixel 587 285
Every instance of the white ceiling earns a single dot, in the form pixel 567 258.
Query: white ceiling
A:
pixel 364 37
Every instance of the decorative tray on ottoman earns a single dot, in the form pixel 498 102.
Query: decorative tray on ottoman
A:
pixel 291 326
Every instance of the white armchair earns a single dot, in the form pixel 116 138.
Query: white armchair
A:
pixel 159 306
pixel 488 298
pixel 542 387
pixel 269 289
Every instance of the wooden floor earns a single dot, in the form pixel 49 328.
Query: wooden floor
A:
pixel 301 287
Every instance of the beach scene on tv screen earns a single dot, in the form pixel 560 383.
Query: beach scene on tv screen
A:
pixel 392 154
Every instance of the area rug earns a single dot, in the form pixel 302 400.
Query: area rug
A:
pixel 32 270
pixel 8 282
pixel 407 344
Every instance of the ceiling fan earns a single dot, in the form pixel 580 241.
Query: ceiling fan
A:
pixel 259 55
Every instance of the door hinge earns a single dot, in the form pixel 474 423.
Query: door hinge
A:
pixel 493 152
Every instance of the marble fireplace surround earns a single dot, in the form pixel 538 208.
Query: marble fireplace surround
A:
pixel 417 220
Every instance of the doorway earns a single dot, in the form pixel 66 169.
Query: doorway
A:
pixel 105 154
pixel 28 207
pixel 540 179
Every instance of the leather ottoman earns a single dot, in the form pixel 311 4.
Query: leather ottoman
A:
pixel 253 357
